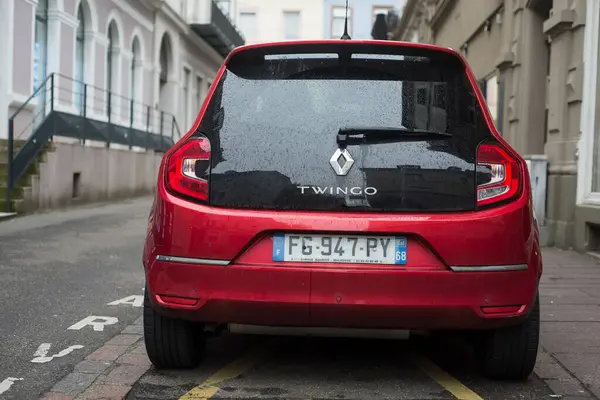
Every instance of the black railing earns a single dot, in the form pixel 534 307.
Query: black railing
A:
pixel 62 106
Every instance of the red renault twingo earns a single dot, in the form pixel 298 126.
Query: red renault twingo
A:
pixel 345 184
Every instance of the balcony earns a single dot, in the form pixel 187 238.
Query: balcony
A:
pixel 211 24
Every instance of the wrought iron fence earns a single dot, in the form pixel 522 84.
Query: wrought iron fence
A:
pixel 63 106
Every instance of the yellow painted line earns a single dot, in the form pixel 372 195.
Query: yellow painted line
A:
pixel 458 390
pixel 208 388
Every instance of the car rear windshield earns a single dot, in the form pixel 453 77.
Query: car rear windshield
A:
pixel 278 110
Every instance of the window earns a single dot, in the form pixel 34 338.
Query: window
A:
pixel 381 10
pixel 422 96
pixel 291 22
pixel 491 95
pixel 588 169
pixel 199 92
pixel 500 115
pixel 186 96
pixel 490 90
pixel 112 69
pixel 40 52
pixel 338 15
pixel 40 47
pixel 248 25
pixel 439 96
pixel 595 124
pixel 259 108
pixel 135 82
pixel 135 61
pixel 224 5
pixel 164 64
pixel 79 60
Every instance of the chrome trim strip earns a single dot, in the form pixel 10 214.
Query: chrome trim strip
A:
pixel 490 268
pixel 186 260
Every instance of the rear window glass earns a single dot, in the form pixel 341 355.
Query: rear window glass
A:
pixel 275 118
pixel 327 90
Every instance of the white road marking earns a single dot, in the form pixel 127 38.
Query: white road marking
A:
pixel 98 323
pixel 42 350
pixel 7 383
pixel 135 301
pixel 41 357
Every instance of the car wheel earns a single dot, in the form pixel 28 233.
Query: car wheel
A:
pixel 510 353
pixel 172 343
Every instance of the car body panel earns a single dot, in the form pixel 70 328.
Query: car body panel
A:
pixel 250 288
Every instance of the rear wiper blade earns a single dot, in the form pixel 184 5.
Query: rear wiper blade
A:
pixel 347 136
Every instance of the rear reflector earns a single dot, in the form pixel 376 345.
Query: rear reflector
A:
pixel 503 309
pixel 176 301
pixel 504 173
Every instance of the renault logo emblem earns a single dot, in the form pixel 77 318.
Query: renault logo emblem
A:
pixel 341 161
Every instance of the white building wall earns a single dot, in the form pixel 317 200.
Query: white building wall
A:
pixel 6 13
pixel 268 21
pixel 133 21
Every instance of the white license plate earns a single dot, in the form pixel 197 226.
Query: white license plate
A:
pixel 340 249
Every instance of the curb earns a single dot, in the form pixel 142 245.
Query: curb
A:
pixel 6 216
pixel 109 372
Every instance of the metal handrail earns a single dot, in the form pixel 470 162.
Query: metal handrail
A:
pixel 51 81
pixel 35 93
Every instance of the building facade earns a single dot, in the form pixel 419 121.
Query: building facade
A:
pixel 278 20
pixel 361 16
pixel 134 54
pixel 536 62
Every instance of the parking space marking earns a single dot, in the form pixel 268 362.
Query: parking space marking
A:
pixel 41 354
pixel 95 322
pixel 134 300
pixel 7 383
pixel 208 388
pixel 458 390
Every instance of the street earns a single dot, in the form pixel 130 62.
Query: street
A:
pixel 58 269
pixel 71 328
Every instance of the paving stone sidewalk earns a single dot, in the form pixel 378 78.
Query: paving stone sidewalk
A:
pixel 109 372
pixel 569 361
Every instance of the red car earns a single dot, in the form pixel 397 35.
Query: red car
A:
pixel 344 184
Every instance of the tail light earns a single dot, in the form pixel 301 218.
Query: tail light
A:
pixel 500 181
pixel 188 169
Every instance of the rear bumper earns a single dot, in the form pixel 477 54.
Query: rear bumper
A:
pixel 363 298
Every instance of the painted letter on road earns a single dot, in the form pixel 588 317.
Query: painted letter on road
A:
pixel 98 323
pixel 41 354
pixel 7 383
pixel 135 301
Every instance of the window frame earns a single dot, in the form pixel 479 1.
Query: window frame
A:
pixel 299 14
pixel 350 20
pixel 590 117
pixel 255 14
pixel 186 77
pixel 378 7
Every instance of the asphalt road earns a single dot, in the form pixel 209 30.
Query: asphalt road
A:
pixel 268 367
pixel 57 269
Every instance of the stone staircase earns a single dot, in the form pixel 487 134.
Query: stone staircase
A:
pixel 24 186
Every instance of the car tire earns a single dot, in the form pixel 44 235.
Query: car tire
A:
pixel 172 343
pixel 511 353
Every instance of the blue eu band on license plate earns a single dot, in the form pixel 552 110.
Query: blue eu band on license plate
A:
pixel 349 249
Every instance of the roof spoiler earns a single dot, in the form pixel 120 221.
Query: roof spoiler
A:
pixel 256 54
